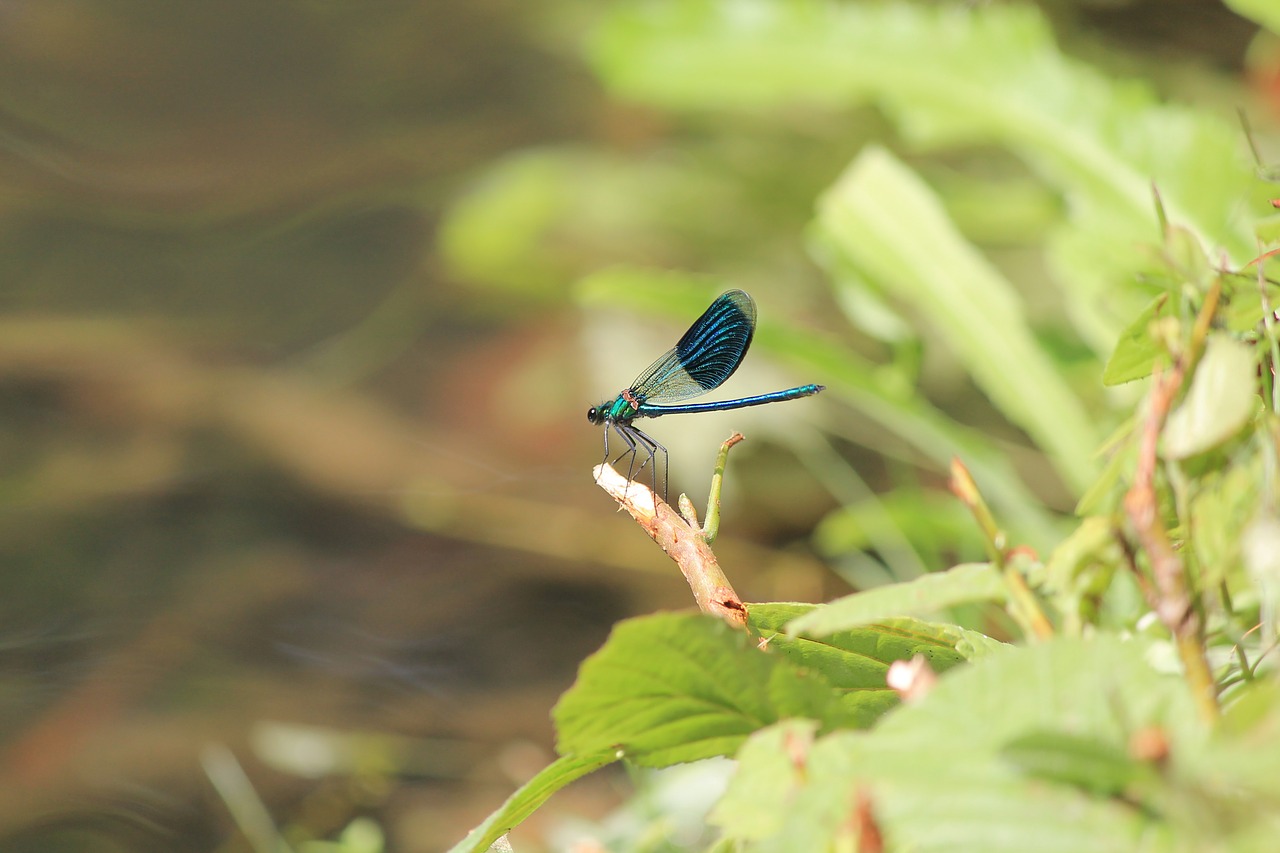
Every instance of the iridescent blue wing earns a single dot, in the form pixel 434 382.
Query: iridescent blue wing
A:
pixel 706 356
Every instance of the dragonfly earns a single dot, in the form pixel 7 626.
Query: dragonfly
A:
pixel 701 361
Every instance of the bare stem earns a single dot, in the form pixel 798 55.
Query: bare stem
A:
pixel 712 525
pixel 1174 604
pixel 682 542
pixel 1025 608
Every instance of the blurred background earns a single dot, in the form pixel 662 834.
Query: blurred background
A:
pixel 304 304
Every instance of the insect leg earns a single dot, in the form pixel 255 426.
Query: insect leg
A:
pixel 625 431
pixel 653 447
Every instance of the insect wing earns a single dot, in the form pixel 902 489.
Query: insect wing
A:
pixel 706 355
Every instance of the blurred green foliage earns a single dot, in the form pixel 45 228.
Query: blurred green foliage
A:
pixel 1135 254
pixel 982 107
pixel 295 417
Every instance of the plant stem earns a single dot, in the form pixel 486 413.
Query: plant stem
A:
pixel 712 525
pixel 1026 609
pixel 684 543
pixel 1174 605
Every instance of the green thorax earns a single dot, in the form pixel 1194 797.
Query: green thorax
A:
pixel 623 408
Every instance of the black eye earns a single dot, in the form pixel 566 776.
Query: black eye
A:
pixel 591 414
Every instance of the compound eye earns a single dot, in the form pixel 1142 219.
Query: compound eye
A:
pixel 592 414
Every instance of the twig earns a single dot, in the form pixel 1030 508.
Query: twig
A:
pixel 1025 608
pixel 1131 561
pixel 1268 322
pixel 711 528
pixel 1174 605
pixel 683 543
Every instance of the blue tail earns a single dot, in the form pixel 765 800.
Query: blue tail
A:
pixel 648 411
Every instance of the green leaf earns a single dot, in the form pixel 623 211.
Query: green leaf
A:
pixel 964 77
pixel 676 294
pixel 1223 508
pixel 790 794
pixel 362 835
pixel 678 687
pixel 932 520
pixel 498 232
pixel 856 659
pixel 938 774
pixel 1244 310
pixel 880 214
pixel 1186 259
pixel 1135 354
pixel 1104 495
pixel 1222 398
pixel 1079 572
pixel 1261 550
pixel 536 220
pixel 1263 12
pixel 974 645
pixel 772 766
pixel 531 796
pixel 1245 751
pixel 947 75
pixel 1268 229
pixel 930 593
pixel 1093 765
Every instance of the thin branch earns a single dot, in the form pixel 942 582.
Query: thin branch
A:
pixel 1131 561
pixel 1024 607
pixel 683 543
pixel 1174 605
